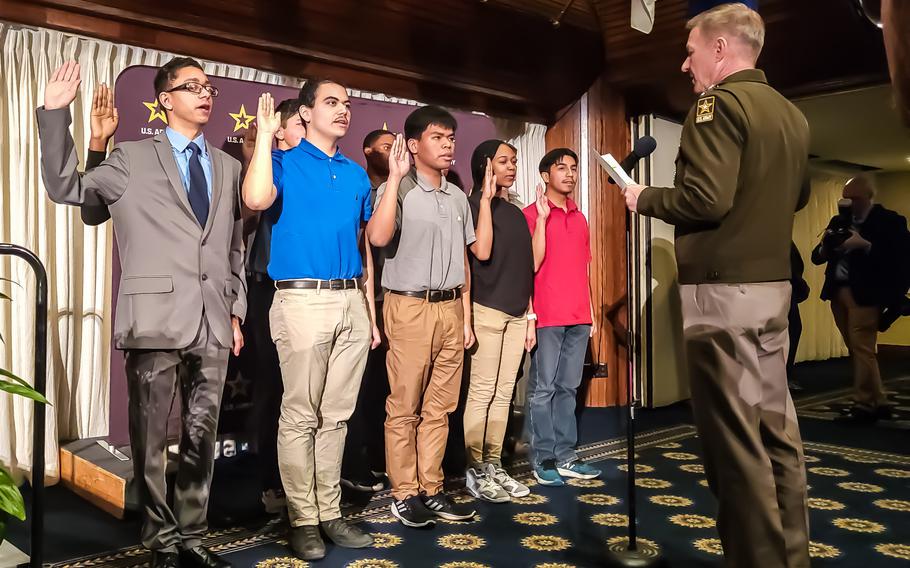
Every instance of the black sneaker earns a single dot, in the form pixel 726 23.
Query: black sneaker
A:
pixel 412 512
pixel 444 508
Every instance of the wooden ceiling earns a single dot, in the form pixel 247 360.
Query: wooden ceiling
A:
pixel 811 47
pixel 504 57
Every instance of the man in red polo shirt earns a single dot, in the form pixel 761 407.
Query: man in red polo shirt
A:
pixel 562 299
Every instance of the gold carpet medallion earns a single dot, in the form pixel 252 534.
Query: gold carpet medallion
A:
pixel 472 521
pixel 463 564
pixel 829 471
pixel 692 468
pixel 461 541
pixel 385 540
pixel 703 482
pixel 859 525
pixel 819 550
pixel 535 519
pixel 463 498
pixel 901 551
pixel 610 519
pixel 709 545
pixel 811 459
pixel 554 565
pixel 652 483
pixel 645 546
pixel 861 487
pixel 282 562
pixel 546 543
pixel 682 456
pixel 893 472
pixel 670 500
pixel 585 482
pixel 893 504
pixel 825 504
pixel 639 468
pixel 598 499
pixel 531 499
pixel 669 446
pixel 693 521
pixel 372 563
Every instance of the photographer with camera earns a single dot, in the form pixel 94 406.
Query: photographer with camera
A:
pixel 865 246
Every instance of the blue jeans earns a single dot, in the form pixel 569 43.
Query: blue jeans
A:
pixel 556 368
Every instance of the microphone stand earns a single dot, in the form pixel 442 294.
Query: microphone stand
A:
pixel 631 553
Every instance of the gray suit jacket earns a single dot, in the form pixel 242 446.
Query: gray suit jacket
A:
pixel 173 270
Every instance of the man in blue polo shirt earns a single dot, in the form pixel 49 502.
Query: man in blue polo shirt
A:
pixel 323 313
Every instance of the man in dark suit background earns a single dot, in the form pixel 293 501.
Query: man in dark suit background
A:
pixel 866 273
pixel 174 201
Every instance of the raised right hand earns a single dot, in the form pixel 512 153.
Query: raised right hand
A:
pixel 543 204
pixel 104 117
pixel 267 120
pixel 61 89
pixel 399 161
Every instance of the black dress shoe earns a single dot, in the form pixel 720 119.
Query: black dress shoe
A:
pixel 199 557
pixel 858 415
pixel 307 543
pixel 165 559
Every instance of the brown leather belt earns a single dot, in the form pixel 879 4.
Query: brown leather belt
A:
pixel 339 284
pixel 432 295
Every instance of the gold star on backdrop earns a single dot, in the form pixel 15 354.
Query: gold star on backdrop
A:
pixel 155 112
pixel 241 119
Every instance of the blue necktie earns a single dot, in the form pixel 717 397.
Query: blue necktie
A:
pixel 199 193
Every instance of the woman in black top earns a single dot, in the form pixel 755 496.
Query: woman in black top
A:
pixel 503 325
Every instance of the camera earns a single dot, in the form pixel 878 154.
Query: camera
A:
pixel 841 225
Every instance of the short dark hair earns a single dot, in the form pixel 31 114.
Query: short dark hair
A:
pixel 374 136
pixel 421 119
pixel 286 109
pixel 168 72
pixel 553 156
pixel 307 96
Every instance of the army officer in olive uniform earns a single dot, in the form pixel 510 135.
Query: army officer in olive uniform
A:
pixel 739 180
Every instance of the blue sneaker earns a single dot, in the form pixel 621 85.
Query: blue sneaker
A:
pixel 578 469
pixel 548 476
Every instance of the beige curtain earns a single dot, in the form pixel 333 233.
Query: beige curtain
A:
pixel 77 258
pixel 820 339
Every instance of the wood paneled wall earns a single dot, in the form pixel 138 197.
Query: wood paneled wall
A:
pixel 608 131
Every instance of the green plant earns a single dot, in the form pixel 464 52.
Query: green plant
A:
pixel 11 501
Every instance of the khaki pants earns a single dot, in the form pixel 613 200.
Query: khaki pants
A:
pixel 323 338
pixel 495 359
pixel 859 327
pixel 425 360
pixel 736 342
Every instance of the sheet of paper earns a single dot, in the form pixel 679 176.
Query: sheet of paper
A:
pixel 609 163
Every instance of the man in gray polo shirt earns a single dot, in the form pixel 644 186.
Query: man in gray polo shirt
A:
pixel 425 224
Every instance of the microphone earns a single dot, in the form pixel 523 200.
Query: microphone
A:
pixel 642 148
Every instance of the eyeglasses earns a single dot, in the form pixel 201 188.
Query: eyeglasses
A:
pixel 195 88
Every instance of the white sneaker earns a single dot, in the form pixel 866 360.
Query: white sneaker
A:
pixel 508 483
pixel 481 486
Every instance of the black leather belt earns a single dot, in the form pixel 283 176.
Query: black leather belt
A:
pixel 432 295
pixel 339 284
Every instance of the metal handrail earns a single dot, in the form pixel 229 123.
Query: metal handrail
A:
pixel 36 518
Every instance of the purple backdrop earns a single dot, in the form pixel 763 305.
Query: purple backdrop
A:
pixel 234 110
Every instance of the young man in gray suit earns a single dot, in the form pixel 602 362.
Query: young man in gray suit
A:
pixel 174 200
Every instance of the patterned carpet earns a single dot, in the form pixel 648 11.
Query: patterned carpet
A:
pixel 860 515
pixel 828 405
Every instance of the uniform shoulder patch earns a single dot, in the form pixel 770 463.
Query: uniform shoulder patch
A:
pixel 704 110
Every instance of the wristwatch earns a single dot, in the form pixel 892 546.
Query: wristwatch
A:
pixel 532 317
